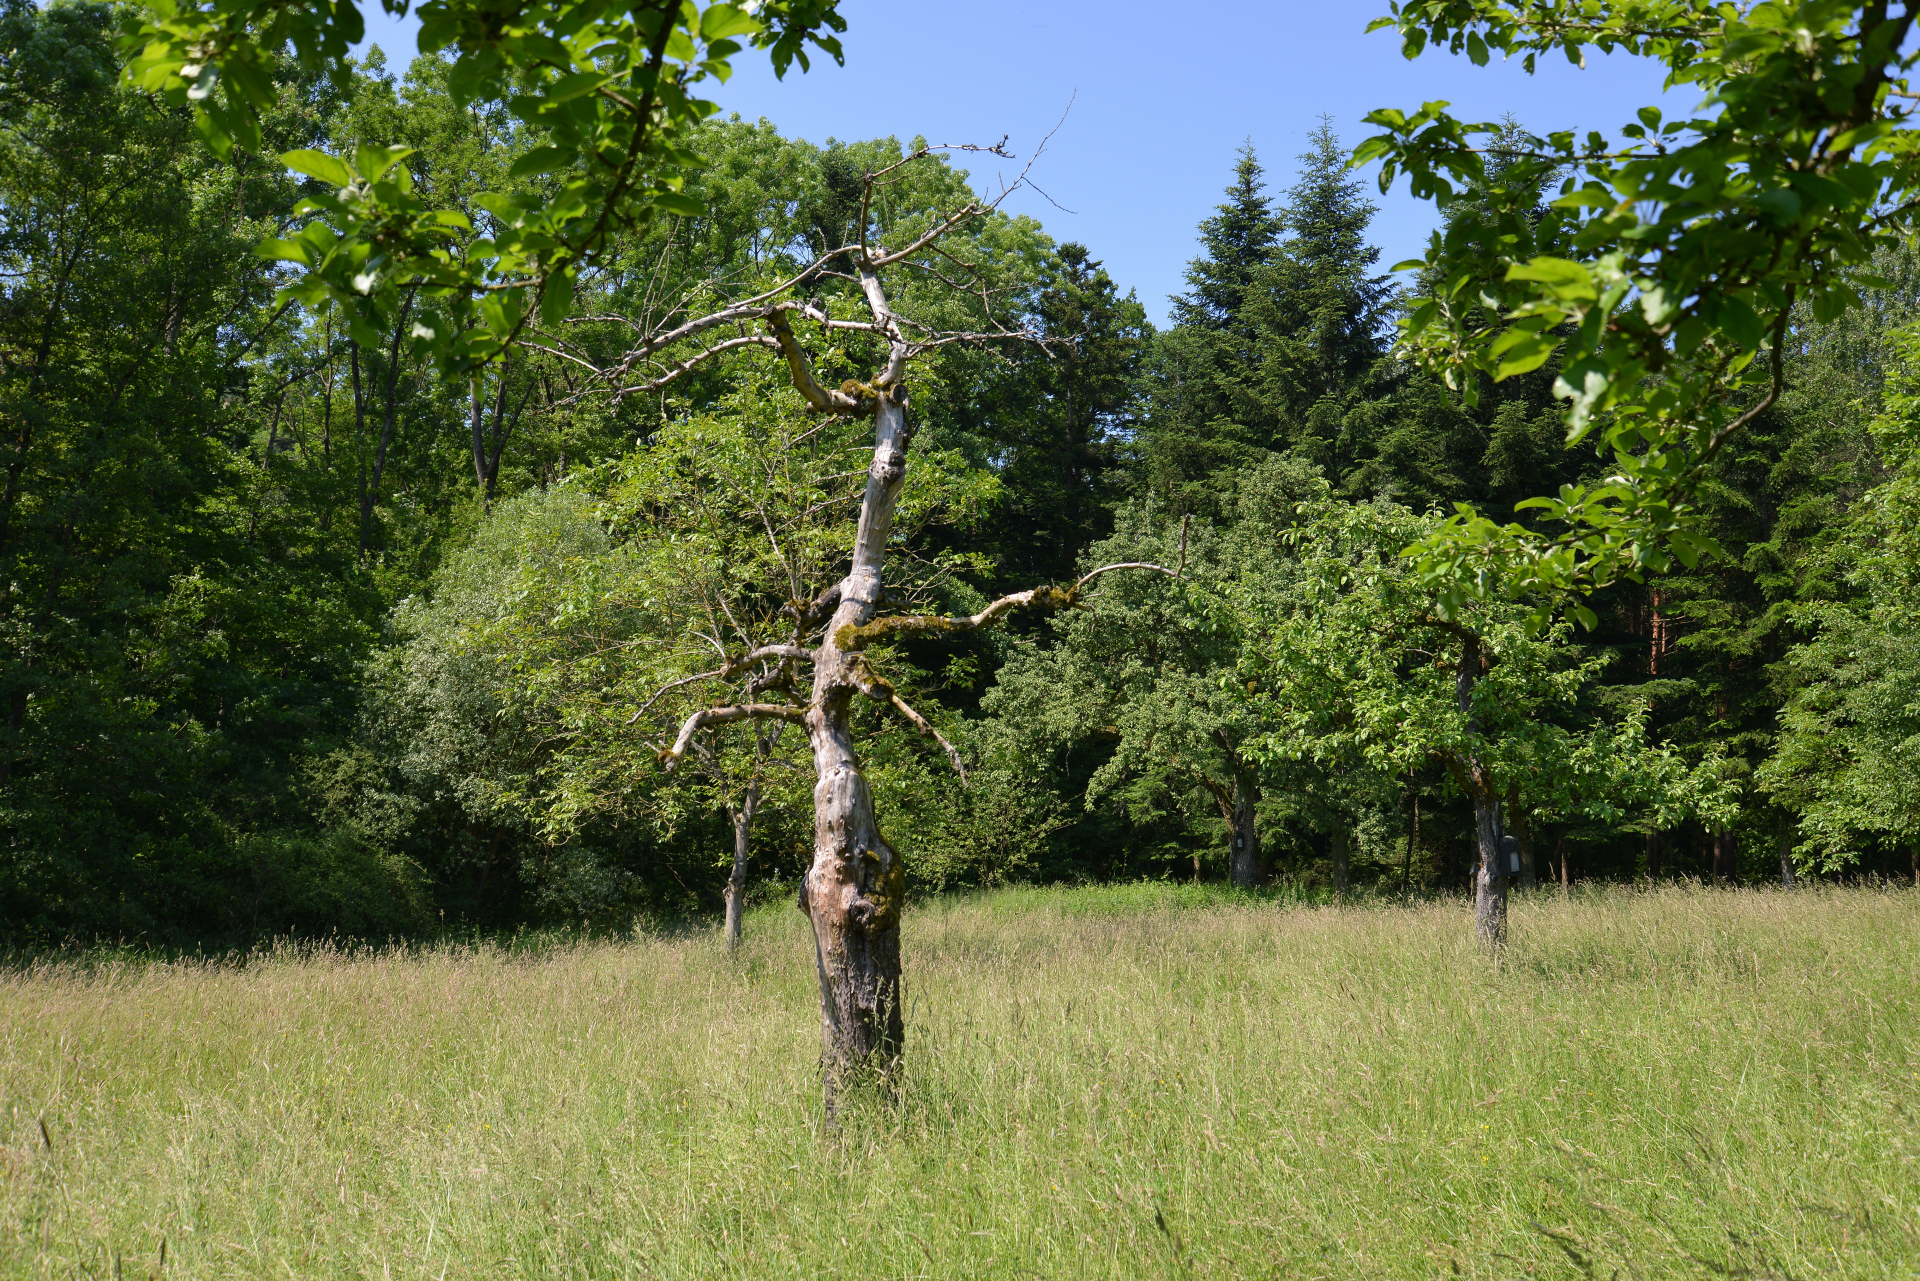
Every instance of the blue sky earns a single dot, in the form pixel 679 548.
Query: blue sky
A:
pixel 1162 96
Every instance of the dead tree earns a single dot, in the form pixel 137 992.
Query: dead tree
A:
pixel 853 891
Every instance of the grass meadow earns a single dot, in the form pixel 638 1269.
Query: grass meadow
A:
pixel 1129 1082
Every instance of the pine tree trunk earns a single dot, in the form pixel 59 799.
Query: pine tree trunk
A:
pixel 1245 865
pixel 1337 847
pixel 853 891
pixel 737 882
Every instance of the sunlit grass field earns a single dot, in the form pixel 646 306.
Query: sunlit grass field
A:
pixel 1130 1082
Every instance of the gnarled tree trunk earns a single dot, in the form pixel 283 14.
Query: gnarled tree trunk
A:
pixel 853 891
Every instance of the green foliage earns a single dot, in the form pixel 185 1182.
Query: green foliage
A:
pixel 1666 271
pixel 1845 761
pixel 607 98
pixel 1343 669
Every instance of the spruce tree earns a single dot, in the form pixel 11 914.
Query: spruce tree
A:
pixel 1319 309
pixel 1237 242
pixel 1205 414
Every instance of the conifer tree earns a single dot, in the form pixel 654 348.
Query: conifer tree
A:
pixel 1320 310
pixel 1236 242
pixel 1206 412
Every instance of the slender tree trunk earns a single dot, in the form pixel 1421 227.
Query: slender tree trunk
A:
pixel 370 489
pixel 1245 865
pixel 852 893
pixel 1490 876
pixel 1653 858
pixel 1337 848
pixel 737 882
pixel 1786 851
pixel 1560 848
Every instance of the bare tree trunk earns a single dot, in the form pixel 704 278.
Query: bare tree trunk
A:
pixel 853 891
pixel 737 882
pixel 1245 864
pixel 1786 851
pixel 370 486
pixel 1560 848
pixel 1337 849
pixel 1653 858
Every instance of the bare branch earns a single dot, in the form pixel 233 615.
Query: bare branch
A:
pixel 824 399
pixel 740 664
pixel 700 720
pixel 881 690
pixel 554 351
pixel 670 686
pixel 810 614
pixel 969 210
pixel 1127 564
pixel 698 358
pixel 726 671
pixel 857 636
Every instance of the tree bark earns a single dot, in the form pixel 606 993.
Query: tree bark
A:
pixel 737 882
pixel 1786 852
pixel 1490 877
pixel 853 891
pixel 1245 864
pixel 1337 850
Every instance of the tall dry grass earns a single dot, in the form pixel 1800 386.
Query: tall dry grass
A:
pixel 1101 1083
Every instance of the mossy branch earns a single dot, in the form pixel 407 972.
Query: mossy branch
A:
pixel 1052 599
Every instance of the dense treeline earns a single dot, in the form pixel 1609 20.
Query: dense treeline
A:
pixel 303 635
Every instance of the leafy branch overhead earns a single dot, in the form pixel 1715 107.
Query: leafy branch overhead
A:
pixel 608 96
pixel 1662 272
